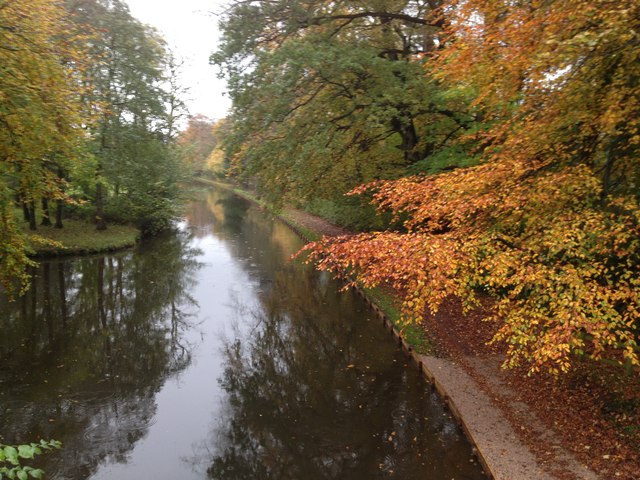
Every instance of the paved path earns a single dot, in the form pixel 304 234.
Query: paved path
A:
pixel 499 449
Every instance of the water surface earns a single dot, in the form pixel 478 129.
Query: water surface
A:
pixel 207 353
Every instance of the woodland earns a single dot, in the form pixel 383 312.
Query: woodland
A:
pixel 90 106
pixel 487 149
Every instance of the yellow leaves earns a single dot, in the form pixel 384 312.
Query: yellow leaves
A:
pixel 41 112
pixel 555 77
pixel 535 226
pixel 41 94
pixel 564 271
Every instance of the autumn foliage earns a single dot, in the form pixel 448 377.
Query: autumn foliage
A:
pixel 548 225
pixel 41 114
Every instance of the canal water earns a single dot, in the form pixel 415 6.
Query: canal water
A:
pixel 208 353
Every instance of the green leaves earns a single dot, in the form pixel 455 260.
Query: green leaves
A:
pixel 131 141
pixel 334 95
pixel 10 454
pixel 10 459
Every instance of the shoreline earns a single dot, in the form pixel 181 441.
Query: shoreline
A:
pixel 79 238
pixel 498 446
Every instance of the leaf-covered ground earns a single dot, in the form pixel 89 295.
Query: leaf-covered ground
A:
pixel 592 411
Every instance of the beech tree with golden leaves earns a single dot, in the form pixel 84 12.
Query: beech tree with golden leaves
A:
pixel 41 113
pixel 548 225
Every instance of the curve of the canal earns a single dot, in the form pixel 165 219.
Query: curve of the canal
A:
pixel 208 353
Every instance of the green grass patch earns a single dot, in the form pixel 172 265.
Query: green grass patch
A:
pixel 78 236
pixel 307 233
pixel 390 305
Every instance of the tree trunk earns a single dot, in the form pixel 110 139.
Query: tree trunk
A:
pixel 59 205
pixel 46 220
pixel 101 224
pixel 25 211
pixel 409 136
pixel 32 216
pixel 607 171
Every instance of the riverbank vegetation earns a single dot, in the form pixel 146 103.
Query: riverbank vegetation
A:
pixel 89 112
pixel 500 138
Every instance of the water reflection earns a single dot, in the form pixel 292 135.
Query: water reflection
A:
pixel 209 354
pixel 316 390
pixel 87 348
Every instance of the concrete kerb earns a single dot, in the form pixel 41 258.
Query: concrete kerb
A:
pixel 498 449
pixel 432 378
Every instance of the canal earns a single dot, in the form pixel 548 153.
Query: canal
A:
pixel 208 353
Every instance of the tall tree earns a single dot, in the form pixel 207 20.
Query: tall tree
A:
pixel 41 113
pixel 137 113
pixel 548 225
pixel 327 95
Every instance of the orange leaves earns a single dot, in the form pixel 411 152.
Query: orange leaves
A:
pixel 562 267
pixel 549 224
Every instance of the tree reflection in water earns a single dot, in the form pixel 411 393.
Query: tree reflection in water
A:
pixel 308 386
pixel 314 388
pixel 87 348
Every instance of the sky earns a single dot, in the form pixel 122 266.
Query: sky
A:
pixel 190 28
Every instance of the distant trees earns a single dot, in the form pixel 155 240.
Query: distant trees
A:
pixel 521 121
pixel 196 142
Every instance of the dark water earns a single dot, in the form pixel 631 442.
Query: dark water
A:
pixel 208 354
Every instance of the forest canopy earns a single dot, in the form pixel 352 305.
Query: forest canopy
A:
pixel 501 138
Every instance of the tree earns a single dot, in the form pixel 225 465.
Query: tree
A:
pixel 41 114
pixel 327 95
pixel 136 114
pixel 174 93
pixel 548 225
pixel 197 141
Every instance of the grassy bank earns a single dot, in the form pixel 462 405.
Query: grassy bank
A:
pixel 78 237
pixel 390 305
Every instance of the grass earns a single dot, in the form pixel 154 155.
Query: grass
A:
pixel 78 237
pixel 308 234
pixel 412 333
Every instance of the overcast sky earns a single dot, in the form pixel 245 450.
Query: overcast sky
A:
pixel 190 27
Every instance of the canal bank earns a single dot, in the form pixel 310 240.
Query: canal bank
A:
pixel 506 438
pixel 206 353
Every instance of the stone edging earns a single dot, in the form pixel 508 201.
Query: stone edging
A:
pixel 495 444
